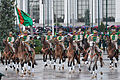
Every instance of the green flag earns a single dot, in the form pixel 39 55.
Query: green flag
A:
pixel 24 18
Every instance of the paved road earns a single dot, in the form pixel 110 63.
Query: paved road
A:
pixel 48 73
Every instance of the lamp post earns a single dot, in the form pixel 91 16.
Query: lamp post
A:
pixel 98 16
pixel 43 14
pixel 92 15
pixel 48 12
pixel 106 13
pixel 67 13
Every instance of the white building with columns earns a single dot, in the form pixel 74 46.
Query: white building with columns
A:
pixel 72 12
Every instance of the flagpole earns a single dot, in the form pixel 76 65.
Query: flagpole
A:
pixel 52 18
pixel 20 28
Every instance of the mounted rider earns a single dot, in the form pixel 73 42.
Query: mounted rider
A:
pixel 95 39
pixel 10 41
pixel 25 40
pixel 49 38
pixel 87 36
pixel 60 38
pixel 79 37
pixel 75 41
pixel 114 38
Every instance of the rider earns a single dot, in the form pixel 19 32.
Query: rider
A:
pixel 114 38
pixel 60 38
pixel 95 40
pixel 79 37
pixel 74 41
pixel 49 38
pixel 10 41
pixel 87 36
pixel 25 40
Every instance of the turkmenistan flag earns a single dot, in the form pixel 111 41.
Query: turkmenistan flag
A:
pixel 24 18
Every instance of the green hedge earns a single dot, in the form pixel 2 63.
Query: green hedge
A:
pixel 38 46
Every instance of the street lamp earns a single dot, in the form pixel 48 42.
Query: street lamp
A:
pixel 43 2
pixel 106 13
pixel 98 16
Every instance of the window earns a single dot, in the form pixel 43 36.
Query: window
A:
pixel 111 10
pixel 83 5
pixel 59 10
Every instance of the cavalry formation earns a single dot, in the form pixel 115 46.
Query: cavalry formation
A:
pixel 72 48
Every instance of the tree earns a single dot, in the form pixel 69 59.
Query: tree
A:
pixel 87 17
pixel 7 17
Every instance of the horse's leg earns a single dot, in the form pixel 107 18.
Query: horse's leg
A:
pixel 6 61
pixel 111 63
pixel 55 62
pixel 17 66
pixel 60 62
pixel 101 65
pixel 44 60
pixel 33 66
pixel 73 65
pixel 78 61
pixel 22 67
pixel 50 58
pixel 69 65
pixel 2 60
pixel 116 60
pixel 29 67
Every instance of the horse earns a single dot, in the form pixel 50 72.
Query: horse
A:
pixel 23 57
pixel 46 51
pixel 93 56
pixel 71 54
pixel 7 54
pixel 58 54
pixel 112 53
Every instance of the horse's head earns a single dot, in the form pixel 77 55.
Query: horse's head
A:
pixel 17 43
pixel 56 41
pixel 42 39
pixel 70 39
pixel 5 42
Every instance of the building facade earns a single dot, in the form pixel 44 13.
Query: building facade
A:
pixel 71 12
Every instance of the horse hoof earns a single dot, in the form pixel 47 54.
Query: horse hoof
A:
pixel 10 66
pixel 5 69
pixel 17 71
pixel 54 67
pixel 21 76
pixel 32 74
pixel 110 66
pixel 79 70
pixel 101 73
pixel 70 72
pixel 45 65
pixel 73 71
pixel 62 68
pixel 29 72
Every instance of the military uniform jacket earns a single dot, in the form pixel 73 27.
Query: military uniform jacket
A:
pixel 10 39
pixel 114 37
pixel 60 38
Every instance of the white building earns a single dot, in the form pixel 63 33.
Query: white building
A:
pixel 72 12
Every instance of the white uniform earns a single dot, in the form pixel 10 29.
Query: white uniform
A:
pixel 48 38
pixel 114 39
pixel 61 40
pixel 26 40
pixel 10 41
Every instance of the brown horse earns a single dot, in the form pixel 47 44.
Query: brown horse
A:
pixel 58 54
pixel 7 54
pixel 112 53
pixel 71 54
pixel 46 50
pixel 23 57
